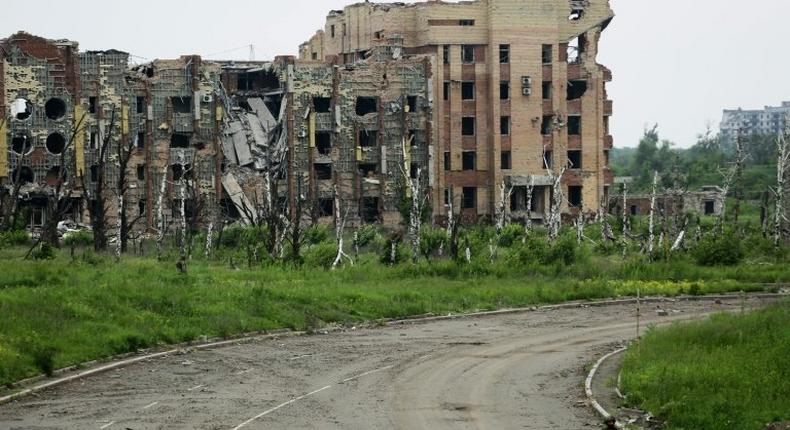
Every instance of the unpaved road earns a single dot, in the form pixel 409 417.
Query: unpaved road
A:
pixel 518 371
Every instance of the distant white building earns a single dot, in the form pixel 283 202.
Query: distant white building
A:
pixel 771 120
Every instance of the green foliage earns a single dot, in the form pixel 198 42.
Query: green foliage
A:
pixel 231 237
pixel 321 255
pixel 511 234
pixel 401 252
pixel 44 359
pixel 730 372
pixel 78 239
pixel 431 239
pixel 719 250
pixel 15 238
pixel 44 251
pixel 316 234
pixel 366 235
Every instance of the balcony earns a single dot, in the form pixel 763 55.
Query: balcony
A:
pixel 608 142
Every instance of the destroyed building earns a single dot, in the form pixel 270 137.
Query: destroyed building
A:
pixel 518 94
pixel 707 201
pixel 211 139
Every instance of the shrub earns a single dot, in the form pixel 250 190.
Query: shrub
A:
pixel 78 238
pixel 534 250
pixel 401 253
pixel 725 250
pixel 511 234
pixel 431 240
pixel 316 234
pixel 231 237
pixel 44 359
pixel 45 251
pixel 366 235
pixel 15 238
pixel 321 255
pixel 564 250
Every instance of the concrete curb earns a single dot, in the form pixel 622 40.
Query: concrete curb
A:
pixel 588 387
pixel 242 339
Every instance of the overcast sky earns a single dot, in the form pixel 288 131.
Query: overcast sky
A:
pixel 675 62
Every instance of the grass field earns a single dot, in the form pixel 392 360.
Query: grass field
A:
pixel 730 372
pixel 68 310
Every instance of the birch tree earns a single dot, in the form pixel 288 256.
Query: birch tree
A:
pixel 783 157
pixel 651 221
pixel 340 225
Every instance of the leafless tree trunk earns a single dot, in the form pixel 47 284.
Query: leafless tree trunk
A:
pixel 415 214
pixel 739 165
pixel 99 210
pixel 555 216
pixel 452 231
pixel 506 192
pixel 783 147
pixel 651 222
pixel 530 193
pixel 340 226
pixel 580 225
pixel 160 216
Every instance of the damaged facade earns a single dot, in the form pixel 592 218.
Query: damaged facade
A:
pixel 211 139
pixel 707 201
pixel 517 95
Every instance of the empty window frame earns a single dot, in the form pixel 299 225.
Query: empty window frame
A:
pixel 467 54
pixel 506 160
pixel 141 207
pixel 367 170
pixel 366 105
pixel 547 90
pixel 576 89
pixel 547 125
pixel 574 125
pixel 504 90
pixel 466 22
pixel 504 54
pixel 448 164
pixel 575 159
pixel 322 104
pixel 92 104
pixel 467 90
pixel 140 104
pixel 446 91
pixel 179 140
pixel 547 54
pixel 141 172
pixel 469 198
pixel 468 126
pixel 504 125
pixel 181 104
pixel 411 102
pixel 446 54
pixel 323 142
pixel 140 140
pixel 710 207
pixel 323 171
pixel 325 207
pixel 548 160
pixel 469 160
pixel 368 138
pixel 371 212
pixel 575 196
pixel 332 31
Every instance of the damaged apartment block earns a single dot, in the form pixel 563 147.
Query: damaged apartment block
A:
pixel 214 139
pixel 519 95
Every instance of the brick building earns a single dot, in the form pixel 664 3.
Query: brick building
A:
pixel 517 93
pixel 210 139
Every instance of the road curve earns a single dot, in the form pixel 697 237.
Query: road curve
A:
pixel 518 371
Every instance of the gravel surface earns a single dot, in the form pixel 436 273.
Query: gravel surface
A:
pixel 517 371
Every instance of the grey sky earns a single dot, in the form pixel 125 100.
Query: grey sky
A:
pixel 675 62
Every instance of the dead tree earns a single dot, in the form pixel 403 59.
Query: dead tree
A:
pixel 783 158
pixel 506 193
pixel 452 227
pixel 125 226
pixel 418 201
pixel 528 221
pixel 555 217
pixel 340 226
pixel 580 225
pixel 161 226
pixel 296 230
pixel 652 218
pixel 738 168
pixel 98 210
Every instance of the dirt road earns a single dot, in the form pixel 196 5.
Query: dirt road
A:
pixel 519 371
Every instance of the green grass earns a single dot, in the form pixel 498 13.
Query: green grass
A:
pixel 730 372
pixel 65 311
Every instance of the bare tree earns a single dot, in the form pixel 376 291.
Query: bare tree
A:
pixel 98 210
pixel 555 217
pixel 161 225
pixel 296 230
pixel 530 193
pixel 340 225
pixel 125 226
pixel 738 168
pixel 651 238
pixel 782 162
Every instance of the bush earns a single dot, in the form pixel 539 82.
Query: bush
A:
pixel 321 255
pixel 231 237
pixel 78 238
pixel 431 240
pixel 401 253
pixel 511 234
pixel 723 250
pixel 15 238
pixel 316 234
pixel 565 250
pixel 44 359
pixel 366 235
pixel 45 251
pixel 534 250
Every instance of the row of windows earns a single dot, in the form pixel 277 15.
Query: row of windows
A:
pixel 575 90
pixel 468 54
pixel 469 160
pixel 469 197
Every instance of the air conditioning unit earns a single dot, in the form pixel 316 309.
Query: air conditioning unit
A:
pixel 526 91
pixel 208 98
pixel 526 81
